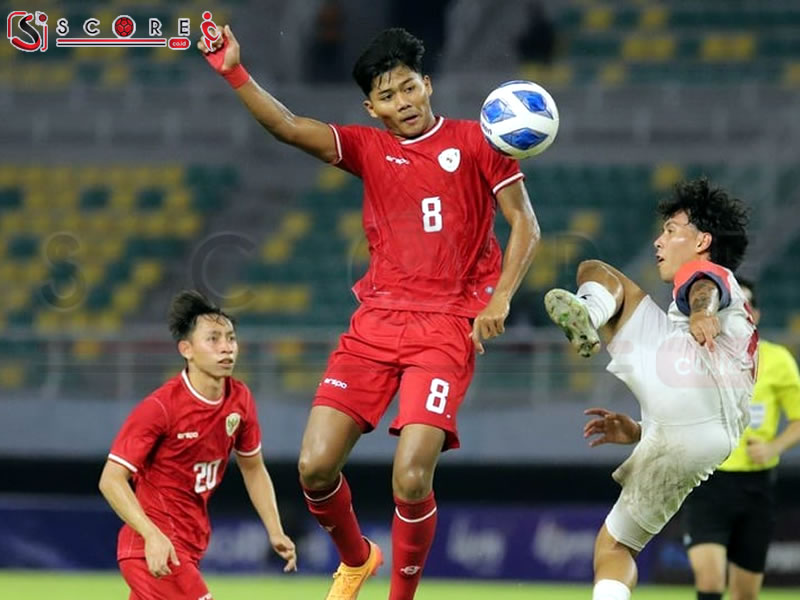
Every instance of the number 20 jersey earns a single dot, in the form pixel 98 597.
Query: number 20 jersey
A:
pixel 177 444
pixel 428 215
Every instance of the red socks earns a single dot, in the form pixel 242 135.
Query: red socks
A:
pixel 413 528
pixel 333 509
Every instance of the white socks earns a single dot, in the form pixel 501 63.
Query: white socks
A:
pixel 598 301
pixel 610 589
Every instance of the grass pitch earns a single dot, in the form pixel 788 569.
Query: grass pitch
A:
pixel 37 585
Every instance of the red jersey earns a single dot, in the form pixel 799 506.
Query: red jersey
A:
pixel 177 444
pixel 428 215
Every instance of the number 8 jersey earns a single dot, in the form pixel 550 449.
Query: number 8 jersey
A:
pixel 177 444
pixel 428 215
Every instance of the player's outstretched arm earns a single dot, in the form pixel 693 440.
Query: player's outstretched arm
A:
pixel 525 233
pixel 704 304
pixel 309 135
pixel 610 428
pixel 159 551
pixel 262 495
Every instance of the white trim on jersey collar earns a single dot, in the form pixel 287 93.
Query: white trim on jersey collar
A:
pixel 433 130
pixel 197 394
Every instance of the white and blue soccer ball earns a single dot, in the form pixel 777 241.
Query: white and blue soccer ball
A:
pixel 519 119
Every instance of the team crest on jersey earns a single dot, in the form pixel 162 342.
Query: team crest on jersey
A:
pixel 449 159
pixel 232 422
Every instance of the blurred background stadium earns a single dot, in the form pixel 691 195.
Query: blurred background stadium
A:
pixel 129 174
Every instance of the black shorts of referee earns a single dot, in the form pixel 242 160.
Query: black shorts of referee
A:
pixel 737 510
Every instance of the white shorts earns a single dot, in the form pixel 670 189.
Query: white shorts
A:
pixel 686 431
pixel 667 464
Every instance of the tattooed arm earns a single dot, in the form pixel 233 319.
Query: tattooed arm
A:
pixel 704 304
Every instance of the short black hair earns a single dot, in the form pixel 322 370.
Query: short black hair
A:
pixel 712 210
pixel 751 286
pixel 390 48
pixel 184 309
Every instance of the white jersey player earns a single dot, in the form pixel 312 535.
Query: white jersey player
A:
pixel 692 368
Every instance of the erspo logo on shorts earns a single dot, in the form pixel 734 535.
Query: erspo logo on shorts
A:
pixel 335 383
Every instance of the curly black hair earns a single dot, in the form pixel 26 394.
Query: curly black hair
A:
pixel 184 309
pixel 713 211
pixel 390 48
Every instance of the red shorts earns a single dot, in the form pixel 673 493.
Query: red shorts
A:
pixel 429 357
pixel 185 582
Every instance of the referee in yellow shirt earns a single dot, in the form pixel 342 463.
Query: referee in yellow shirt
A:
pixel 731 516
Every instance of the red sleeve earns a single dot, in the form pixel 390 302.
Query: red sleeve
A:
pixel 139 434
pixel 248 438
pixel 350 143
pixel 498 170
pixel 700 269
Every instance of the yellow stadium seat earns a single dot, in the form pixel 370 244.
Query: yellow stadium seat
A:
pixel 186 225
pixel 653 17
pixel 171 175
pixel 119 176
pixel 177 199
pixel 47 321
pixel 557 74
pixel 665 176
pixel 146 273
pixel 116 75
pixel 597 18
pixel 92 273
pixel 288 349
pixel 14 297
pixel 276 250
pixel 78 320
pixel 125 298
pixel 297 299
pixel 110 249
pixel 648 48
pixel 266 299
pixel 12 375
pixel 719 47
pixel 350 226
pixel 155 225
pixel 122 198
pixel 586 222
pixel 791 74
pixel 87 349
pixel 59 178
pixel 296 224
pixel 90 176
pixel 331 178
pixel 9 174
pixel 613 73
pixel 100 223
pixel 108 321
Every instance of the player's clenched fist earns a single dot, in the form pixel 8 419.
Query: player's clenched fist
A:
pixel 704 328
pixel 159 552
pixel 223 56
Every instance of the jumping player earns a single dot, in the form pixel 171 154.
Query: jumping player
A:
pixel 437 287
pixel 174 448
pixel 691 369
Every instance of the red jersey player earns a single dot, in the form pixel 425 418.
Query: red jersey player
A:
pixel 434 291
pixel 174 447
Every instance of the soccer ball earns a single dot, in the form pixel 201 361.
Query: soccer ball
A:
pixel 519 119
